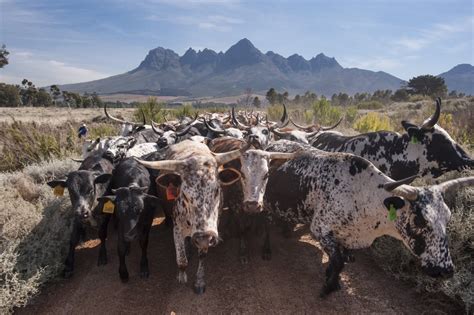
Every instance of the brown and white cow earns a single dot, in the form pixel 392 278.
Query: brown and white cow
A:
pixel 190 171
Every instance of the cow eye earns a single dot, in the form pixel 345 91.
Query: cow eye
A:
pixel 265 131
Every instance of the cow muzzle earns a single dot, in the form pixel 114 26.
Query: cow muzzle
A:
pixel 439 272
pixel 253 207
pixel 204 240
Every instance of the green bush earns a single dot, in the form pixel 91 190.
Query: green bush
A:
pixel 351 114
pixel 275 112
pixel 324 113
pixel 372 122
pixel 152 109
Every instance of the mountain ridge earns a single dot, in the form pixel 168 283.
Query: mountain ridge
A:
pixel 210 73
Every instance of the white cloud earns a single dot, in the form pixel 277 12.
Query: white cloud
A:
pixel 437 32
pixel 213 22
pixel 43 72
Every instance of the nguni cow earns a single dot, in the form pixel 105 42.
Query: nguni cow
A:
pixel 84 186
pixel 133 203
pixel 258 135
pixel 305 135
pixel 214 132
pixel 128 128
pixel 427 150
pixel 190 175
pixel 348 203
pixel 171 136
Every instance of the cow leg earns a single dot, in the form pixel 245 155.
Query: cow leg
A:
pixel 75 236
pixel 122 251
pixel 335 266
pixel 181 259
pixel 200 284
pixel 144 271
pixel 188 247
pixel 243 239
pixel 103 236
pixel 266 249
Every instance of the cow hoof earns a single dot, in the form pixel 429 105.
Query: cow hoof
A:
pixel 102 261
pixel 327 289
pixel 266 255
pixel 124 277
pixel 244 260
pixel 182 277
pixel 144 274
pixel 199 289
pixel 67 274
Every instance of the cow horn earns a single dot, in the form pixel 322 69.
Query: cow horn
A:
pixel 156 130
pixel 93 145
pixel 236 122
pixel 279 133
pixel 456 184
pixel 208 126
pixel 300 126
pixel 430 122
pixel 401 188
pixel 188 127
pixel 222 158
pixel 333 126
pixel 78 160
pixel 166 165
pixel 226 120
pixel 312 134
pixel 281 155
pixel 117 119
pixel 284 119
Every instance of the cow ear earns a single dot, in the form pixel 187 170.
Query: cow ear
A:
pixel 228 176
pixel 416 134
pixel 406 125
pixel 102 178
pixel 165 180
pixel 393 204
pixel 55 183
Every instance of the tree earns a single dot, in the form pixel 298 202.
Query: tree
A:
pixel 55 92
pixel 427 85
pixel 256 102
pixel 271 96
pixel 96 101
pixel 3 56
pixel 42 98
pixel 9 95
pixel 400 95
pixel 28 93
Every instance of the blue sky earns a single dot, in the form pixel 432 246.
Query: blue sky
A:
pixel 73 41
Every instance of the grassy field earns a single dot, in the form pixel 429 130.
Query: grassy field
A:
pixel 34 226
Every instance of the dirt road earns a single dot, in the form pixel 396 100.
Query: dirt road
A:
pixel 289 283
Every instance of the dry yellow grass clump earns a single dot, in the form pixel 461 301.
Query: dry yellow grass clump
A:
pixel 34 231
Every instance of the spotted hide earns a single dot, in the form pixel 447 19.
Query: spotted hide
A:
pixel 427 150
pixel 348 203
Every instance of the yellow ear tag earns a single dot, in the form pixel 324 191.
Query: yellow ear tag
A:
pixel 58 190
pixel 108 207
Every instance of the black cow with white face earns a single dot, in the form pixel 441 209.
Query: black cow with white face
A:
pixel 134 203
pixel 84 186
pixel 427 150
pixel 348 203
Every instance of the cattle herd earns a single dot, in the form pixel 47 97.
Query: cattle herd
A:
pixel 349 190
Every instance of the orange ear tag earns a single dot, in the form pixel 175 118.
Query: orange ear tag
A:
pixel 58 190
pixel 172 192
pixel 109 207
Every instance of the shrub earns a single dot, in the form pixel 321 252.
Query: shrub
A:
pixel 324 113
pixel 35 231
pixel 184 111
pixel 275 112
pixel 351 114
pixel 372 122
pixel 152 109
pixel 370 105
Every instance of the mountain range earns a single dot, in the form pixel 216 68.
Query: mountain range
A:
pixel 208 73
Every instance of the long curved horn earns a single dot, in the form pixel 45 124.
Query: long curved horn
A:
pixel 281 155
pixel 115 118
pixel 222 158
pixel 284 119
pixel 313 133
pixel 401 188
pixel 156 130
pixel 78 160
pixel 307 128
pixel 188 127
pixel 279 133
pixel 430 122
pixel 226 120
pixel 333 126
pixel 236 122
pixel 456 184
pixel 166 165
pixel 208 126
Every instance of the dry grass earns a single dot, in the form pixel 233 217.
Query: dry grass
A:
pixel 34 231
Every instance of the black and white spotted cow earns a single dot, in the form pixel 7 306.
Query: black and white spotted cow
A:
pixel 190 171
pixel 305 134
pixel 348 203
pixel 427 150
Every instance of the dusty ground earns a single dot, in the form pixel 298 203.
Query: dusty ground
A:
pixel 289 283
pixel 58 115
